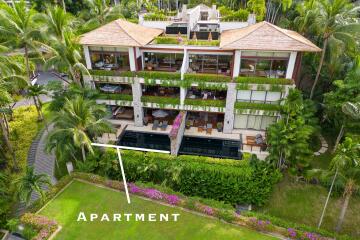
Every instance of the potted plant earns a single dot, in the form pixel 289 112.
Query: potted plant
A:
pixel 188 124
pixel 219 126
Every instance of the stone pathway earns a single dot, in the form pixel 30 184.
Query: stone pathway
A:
pixel 42 162
pixel 324 146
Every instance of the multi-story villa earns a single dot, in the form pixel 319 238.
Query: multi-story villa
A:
pixel 193 84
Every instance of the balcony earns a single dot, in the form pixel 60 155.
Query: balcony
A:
pixel 168 62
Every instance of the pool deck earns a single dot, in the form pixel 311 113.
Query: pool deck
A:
pixel 122 125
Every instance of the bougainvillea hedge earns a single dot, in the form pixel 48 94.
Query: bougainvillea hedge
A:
pixel 235 182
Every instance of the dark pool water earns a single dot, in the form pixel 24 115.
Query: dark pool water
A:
pixel 190 145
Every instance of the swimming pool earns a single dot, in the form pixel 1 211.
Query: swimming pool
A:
pixel 201 146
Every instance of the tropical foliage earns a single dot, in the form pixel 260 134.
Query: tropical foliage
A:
pixel 289 138
pixel 75 127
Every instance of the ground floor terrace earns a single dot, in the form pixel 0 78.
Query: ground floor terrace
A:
pixel 202 134
pixel 90 199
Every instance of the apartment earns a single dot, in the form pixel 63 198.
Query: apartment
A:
pixel 193 84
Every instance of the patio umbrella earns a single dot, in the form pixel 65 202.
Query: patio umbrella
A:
pixel 159 114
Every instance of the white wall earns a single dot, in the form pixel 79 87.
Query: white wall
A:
pixel 232 25
pixel 156 24
pixel 87 57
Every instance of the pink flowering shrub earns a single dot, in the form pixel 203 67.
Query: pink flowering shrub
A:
pixel 44 225
pixel 154 194
pixel 173 199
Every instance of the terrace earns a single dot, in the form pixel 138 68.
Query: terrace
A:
pixel 205 31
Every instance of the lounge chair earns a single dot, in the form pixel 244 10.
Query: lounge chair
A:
pixel 155 125
pixel 164 125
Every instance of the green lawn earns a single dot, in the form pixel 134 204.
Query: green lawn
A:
pixel 302 203
pixel 84 197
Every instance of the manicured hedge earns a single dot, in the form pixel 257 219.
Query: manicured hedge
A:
pixel 263 80
pixel 159 75
pixel 206 77
pixel 203 42
pixel 112 73
pixel 232 183
pixel 161 100
pixel 167 40
pixel 115 96
pixel 205 102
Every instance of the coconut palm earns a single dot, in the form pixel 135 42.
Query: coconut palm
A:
pixel 56 22
pixel 76 125
pixel 101 12
pixel 336 20
pixel 34 92
pixel 352 112
pixel 344 173
pixel 307 15
pixel 29 183
pixel 67 57
pixel 19 28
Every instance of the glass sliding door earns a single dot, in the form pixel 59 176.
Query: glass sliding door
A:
pixel 254 122
pixel 163 61
pixel 215 64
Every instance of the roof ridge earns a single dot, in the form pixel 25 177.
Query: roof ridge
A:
pixel 284 31
pixel 259 25
pixel 117 23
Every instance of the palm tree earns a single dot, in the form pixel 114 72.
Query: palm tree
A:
pixel 344 172
pixel 57 22
pixel 67 57
pixel 336 21
pixel 101 12
pixel 18 27
pixel 29 183
pixel 351 111
pixel 76 125
pixel 34 92
pixel 307 15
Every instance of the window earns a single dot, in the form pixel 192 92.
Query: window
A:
pixel 258 96
pixel 163 61
pixel 240 121
pixel 256 122
pixel 244 95
pixel 264 64
pixel 217 64
pixel 106 60
pixel 273 97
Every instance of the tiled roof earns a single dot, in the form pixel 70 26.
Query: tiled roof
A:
pixel 265 36
pixel 120 33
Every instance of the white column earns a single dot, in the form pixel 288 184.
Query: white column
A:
pixel 183 92
pixel 87 57
pixel 132 59
pixel 237 63
pixel 291 65
pixel 138 108
pixel 185 64
pixel 229 109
